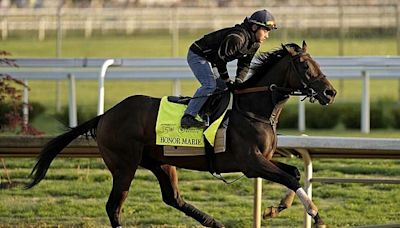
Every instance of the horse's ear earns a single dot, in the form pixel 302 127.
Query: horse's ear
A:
pixel 283 47
pixel 304 46
pixel 290 50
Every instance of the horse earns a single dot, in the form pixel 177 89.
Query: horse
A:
pixel 126 139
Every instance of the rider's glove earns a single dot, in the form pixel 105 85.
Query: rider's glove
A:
pixel 230 84
pixel 238 80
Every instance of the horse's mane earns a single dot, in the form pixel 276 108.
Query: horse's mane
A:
pixel 264 62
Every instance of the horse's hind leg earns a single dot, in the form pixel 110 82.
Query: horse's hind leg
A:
pixel 287 200
pixel 123 171
pixel 168 179
pixel 121 183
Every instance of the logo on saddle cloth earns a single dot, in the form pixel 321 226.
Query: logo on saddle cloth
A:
pixel 170 133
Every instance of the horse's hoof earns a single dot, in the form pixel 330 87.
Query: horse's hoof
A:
pixel 270 212
pixel 319 225
pixel 217 224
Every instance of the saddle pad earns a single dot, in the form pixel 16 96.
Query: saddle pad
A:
pixel 220 146
pixel 170 133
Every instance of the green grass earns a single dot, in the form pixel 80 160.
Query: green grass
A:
pixel 160 45
pixel 74 193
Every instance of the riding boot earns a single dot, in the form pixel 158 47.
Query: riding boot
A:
pixel 188 121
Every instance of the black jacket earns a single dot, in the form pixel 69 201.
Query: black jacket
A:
pixel 225 45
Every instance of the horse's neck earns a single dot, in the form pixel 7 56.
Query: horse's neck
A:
pixel 265 103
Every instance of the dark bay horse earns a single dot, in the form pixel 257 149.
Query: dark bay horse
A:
pixel 126 138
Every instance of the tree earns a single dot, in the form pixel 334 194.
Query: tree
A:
pixel 11 90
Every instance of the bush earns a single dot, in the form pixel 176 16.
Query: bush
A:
pixel 318 117
pixel 322 117
pixel 383 114
pixel 82 116
pixel 350 115
pixel 4 109
pixel 379 117
pixel 395 111
pixel 36 109
pixel 288 117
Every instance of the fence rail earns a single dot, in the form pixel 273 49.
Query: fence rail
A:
pixel 306 147
pixel 351 67
pixel 130 20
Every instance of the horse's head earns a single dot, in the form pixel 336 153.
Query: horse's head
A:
pixel 306 76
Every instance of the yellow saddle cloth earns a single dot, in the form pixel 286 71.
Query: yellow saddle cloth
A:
pixel 170 133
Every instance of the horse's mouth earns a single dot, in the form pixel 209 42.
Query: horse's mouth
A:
pixel 326 97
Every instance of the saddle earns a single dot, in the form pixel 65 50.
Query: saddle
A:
pixel 212 109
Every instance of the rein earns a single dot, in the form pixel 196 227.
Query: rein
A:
pixel 307 91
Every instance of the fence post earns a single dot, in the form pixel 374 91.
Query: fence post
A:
pixel 102 75
pixel 175 32
pixel 341 29
pixel 176 87
pixel 301 115
pixel 365 109
pixel 257 203
pixel 398 27
pixel 308 172
pixel 73 119
pixel 59 30
pixel 41 29
pixel 4 29
pixel 25 107
pixel 88 27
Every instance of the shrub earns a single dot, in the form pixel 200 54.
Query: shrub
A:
pixel 379 118
pixel 36 109
pixel 82 116
pixel 350 115
pixel 322 117
pixel 395 111
pixel 4 109
pixel 288 117
pixel 11 90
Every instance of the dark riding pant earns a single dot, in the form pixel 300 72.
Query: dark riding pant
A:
pixel 203 72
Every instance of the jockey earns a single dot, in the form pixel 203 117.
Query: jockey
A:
pixel 218 48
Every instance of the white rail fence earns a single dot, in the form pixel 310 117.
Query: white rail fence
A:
pixel 310 148
pixel 130 20
pixel 176 69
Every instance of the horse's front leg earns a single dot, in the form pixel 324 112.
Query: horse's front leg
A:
pixel 287 200
pixel 259 166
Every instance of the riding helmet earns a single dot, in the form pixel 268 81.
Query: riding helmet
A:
pixel 263 18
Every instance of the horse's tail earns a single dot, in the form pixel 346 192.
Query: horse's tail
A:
pixel 55 146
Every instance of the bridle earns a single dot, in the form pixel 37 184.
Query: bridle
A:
pixel 306 91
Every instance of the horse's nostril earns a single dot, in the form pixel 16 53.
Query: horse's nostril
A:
pixel 330 92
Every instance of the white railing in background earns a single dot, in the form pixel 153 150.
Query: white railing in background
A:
pixel 176 69
pixel 130 20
